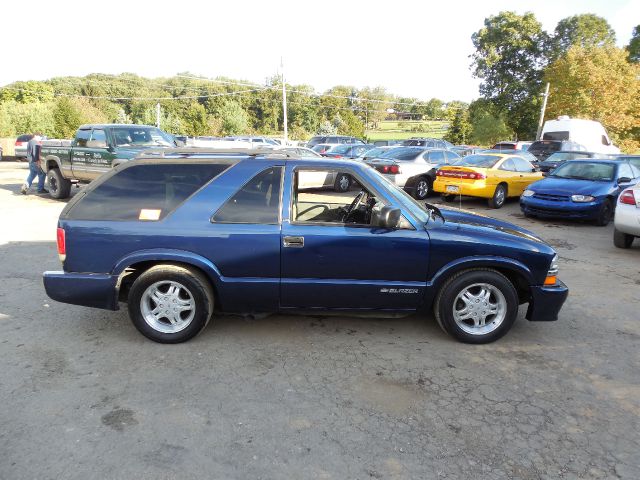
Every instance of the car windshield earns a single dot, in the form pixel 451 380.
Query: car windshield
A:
pixel 141 137
pixel 403 153
pixel 544 147
pixel 417 209
pixel 481 161
pixel 561 156
pixel 340 149
pixel 374 152
pixel 585 171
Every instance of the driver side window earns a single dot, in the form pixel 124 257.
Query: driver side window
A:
pixel 330 196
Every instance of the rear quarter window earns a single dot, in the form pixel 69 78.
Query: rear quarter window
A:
pixel 143 192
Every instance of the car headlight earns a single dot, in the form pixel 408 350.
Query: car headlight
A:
pixel 552 274
pixel 582 198
pixel 528 193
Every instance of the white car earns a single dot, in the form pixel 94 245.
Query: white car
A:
pixel 627 217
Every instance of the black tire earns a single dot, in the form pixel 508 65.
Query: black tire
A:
pixel 605 214
pixel 59 187
pixel 343 182
pixel 446 301
pixel 194 282
pixel 499 196
pixel 422 188
pixel 448 197
pixel 621 239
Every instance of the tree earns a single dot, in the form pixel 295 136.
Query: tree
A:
pixel 17 118
pixel 585 30
pixel 235 119
pixel 326 128
pixel 634 46
pixel 509 59
pixel 488 125
pixel 598 83
pixel 195 120
pixel 460 128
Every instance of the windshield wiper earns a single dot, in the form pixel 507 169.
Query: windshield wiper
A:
pixel 434 211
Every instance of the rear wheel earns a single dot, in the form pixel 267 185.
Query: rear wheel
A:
pixel 170 303
pixel 477 306
pixel 605 214
pixel 499 196
pixel 422 188
pixel 59 187
pixel 342 183
pixel 621 239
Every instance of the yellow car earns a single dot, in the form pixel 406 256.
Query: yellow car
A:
pixel 494 176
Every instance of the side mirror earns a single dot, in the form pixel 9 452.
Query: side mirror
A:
pixel 389 217
pixel 624 180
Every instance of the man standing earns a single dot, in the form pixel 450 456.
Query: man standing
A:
pixel 35 169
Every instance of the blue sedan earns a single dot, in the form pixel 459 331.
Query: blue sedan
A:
pixel 580 189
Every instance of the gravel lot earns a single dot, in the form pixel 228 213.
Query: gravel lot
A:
pixel 83 395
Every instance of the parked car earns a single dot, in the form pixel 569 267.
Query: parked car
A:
pixel 542 149
pixel 320 148
pixel 299 151
pixel 387 143
pixel 95 150
pixel 196 234
pixel 627 217
pixel 521 153
pixel 375 152
pixel 254 141
pixel 491 175
pixel 512 146
pixel 464 150
pixel 558 158
pixel 580 189
pixel 589 133
pixel 413 168
pixel 427 143
pixel 632 159
pixel 347 150
pixel 20 148
pixel 332 139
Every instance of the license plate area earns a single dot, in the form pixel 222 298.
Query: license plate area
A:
pixel 452 188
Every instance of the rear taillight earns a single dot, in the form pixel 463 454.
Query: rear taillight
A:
pixel 628 197
pixel 62 246
pixel 18 144
pixel 457 174
pixel 390 169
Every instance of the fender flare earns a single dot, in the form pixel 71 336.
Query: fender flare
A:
pixel 161 254
pixel 51 158
pixel 465 263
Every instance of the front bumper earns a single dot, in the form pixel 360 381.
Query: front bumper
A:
pixel 95 290
pixel 546 302
pixel 560 209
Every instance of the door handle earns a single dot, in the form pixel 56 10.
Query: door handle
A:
pixel 294 242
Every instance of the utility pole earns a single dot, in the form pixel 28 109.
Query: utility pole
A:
pixel 158 114
pixel 284 101
pixel 544 107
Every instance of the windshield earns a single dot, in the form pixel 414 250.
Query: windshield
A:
pixel 544 147
pixel 340 149
pixel 562 156
pixel 141 137
pixel 481 161
pixel 374 152
pixel 585 171
pixel 417 210
pixel 403 153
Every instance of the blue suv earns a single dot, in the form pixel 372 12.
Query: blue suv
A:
pixel 180 235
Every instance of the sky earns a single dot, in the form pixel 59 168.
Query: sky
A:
pixel 412 48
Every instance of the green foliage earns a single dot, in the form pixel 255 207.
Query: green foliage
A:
pixel 326 128
pixel 196 120
pixel 28 92
pixel 488 125
pixel 235 120
pixel 585 30
pixel 18 118
pixel 509 58
pixel 67 118
pixel 634 46
pixel 460 128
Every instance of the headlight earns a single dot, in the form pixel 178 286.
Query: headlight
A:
pixel 582 198
pixel 528 193
pixel 552 274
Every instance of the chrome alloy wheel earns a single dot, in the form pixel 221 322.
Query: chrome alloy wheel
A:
pixel 167 306
pixel 479 309
pixel 343 182
pixel 500 197
pixel 422 188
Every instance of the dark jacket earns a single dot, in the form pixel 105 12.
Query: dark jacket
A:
pixel 33 149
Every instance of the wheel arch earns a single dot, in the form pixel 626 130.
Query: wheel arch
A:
pixel 51 162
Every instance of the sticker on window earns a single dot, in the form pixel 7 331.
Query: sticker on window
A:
pixel 149 214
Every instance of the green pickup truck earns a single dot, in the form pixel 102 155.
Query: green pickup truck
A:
pixel 95 150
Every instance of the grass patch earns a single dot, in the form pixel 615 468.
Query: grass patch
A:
pixel 400 130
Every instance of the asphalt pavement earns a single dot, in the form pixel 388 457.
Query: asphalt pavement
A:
pixel 84 396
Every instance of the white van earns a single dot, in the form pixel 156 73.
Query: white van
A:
pixel 589 133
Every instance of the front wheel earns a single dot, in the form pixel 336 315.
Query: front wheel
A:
pixel 499 197
pixel 170 303
pixel 621 239
pixel 342 183
pixel 477 306
pixel 59 187
pixel 605 214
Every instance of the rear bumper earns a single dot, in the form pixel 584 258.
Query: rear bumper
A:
pixel 546 302
pixel 86 289
pixel 477 188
